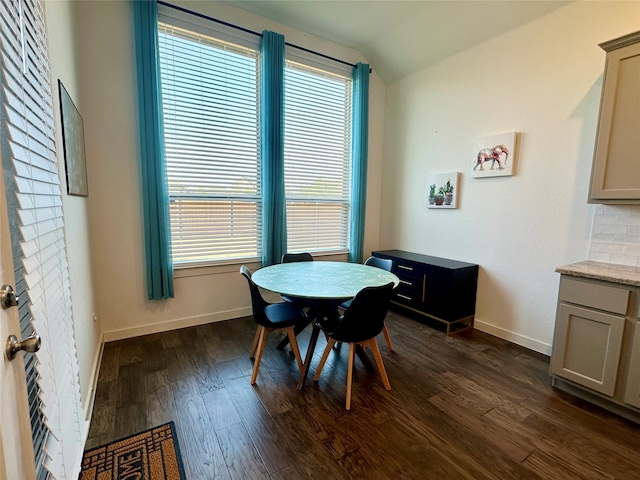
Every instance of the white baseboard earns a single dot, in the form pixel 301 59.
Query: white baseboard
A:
pixel 168 325
pixel 91 396
pixel 513 337
pixel 87 406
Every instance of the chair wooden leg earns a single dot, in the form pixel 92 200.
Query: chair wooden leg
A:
pixel 352 354
pixel 330 344
pixel 376 353
pixel 254 345
pixel 294 346
pixel 256 365
pixel 386 337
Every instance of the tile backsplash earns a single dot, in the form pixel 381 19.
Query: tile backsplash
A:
pixel 615 237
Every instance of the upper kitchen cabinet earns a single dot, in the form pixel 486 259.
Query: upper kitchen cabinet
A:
pixel 615 177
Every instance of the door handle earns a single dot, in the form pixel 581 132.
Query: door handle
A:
pixel 30 344
pixel 8 297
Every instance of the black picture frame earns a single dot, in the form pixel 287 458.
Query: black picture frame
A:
pixel 75 160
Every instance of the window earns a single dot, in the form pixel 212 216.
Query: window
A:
pixel 317 158
pixel 210 112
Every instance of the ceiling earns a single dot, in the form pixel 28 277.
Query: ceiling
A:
pixel 401 37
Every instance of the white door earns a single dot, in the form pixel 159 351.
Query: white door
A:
pixel 31 204
pixel 16 448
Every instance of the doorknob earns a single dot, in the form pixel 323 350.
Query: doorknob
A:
pixel 8 297
pixel 30 344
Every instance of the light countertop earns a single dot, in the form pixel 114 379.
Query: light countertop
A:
pixel 608 272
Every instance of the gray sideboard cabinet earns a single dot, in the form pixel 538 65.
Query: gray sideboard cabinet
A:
pixel 596 345
pixel 615 176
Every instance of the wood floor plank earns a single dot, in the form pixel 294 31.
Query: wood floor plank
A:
pixel 240 455
pixel 130 384
pixel 222 412
pixel 467 406
pixel 106 392
pixel 566 410
pixel 264 432
pixel 507 442
pixel 103 420
pixel 159 400
pixel 312 455
pixel 448 434
pixel 131 351
pixel 154 357
pixel 481 395
pixel 550 468
pixel 203 456
pixel 411 458
pixel 110 364
pixel 229 370
pixel 362 464
pixel 130 419
pixel 274 397
pixel 623 459
pixel 292 472
pixel 170 339
pixel 555 449
pixel 98 441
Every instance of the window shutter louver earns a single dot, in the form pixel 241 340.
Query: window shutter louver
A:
pixel 317 152
pixel 210 113
pixel 35 210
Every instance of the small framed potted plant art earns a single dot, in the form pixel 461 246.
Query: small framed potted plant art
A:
pixel 443 190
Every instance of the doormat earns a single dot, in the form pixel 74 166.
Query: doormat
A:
pixel 149 455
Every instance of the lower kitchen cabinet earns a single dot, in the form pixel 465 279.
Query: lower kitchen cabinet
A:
pixel 596 344
pixel 632 392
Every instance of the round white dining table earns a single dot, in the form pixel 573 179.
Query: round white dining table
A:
pixel 321 280
pixel 326 283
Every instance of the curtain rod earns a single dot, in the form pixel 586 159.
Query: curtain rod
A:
pixel 246 30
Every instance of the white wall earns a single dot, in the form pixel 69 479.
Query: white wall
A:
pixel 543 80
pixel 87 331
pixel 108 93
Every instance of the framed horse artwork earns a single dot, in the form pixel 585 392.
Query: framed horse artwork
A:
pixel 494 156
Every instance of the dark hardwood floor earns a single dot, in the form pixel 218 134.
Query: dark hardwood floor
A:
pixel 469 406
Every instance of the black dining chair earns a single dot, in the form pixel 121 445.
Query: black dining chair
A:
pixel 384 264
pixel 360 325
pixel 297 257
pixel 271 317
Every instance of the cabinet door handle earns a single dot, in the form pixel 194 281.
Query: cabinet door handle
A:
pixel 403 296
pixel 403 267
pixel 406 283
pixel 424 288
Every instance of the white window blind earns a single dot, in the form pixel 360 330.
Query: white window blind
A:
pixel 317 143
pixel 211 124
pixel 35 209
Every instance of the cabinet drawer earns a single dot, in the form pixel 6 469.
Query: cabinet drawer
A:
pixel 407 298
pixel 401 267
pixel 603 297
pixel 410 284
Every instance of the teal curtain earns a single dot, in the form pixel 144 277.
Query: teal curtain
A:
pixel 274 217
pixel 359 156
pixel 155 193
